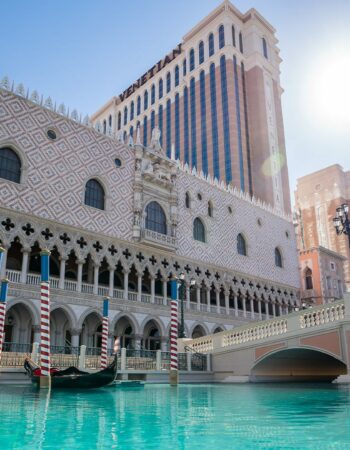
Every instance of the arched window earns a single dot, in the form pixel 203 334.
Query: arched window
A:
pixel 145 131
pixel 155 218
pixel 145 100
pixel 264 47
pixel 168 82
pixel 104 126
pixel 138 106
pixel 241 245
pixel 160 123
pixel 187 200
pixel 110 121
pixel 191 59
pixel 210 209
pixel 176 75
pixel 125 115
pixel 198 230
pixel 278 258
pixel 211 44
pixel 94 194
pixel 160 88
pixel 308 279
pixel 221 36
pixel 132 110
pixel 10 165
pixel 153 118
pixel 240 42
pixel 153 94
pixel 119 120
pixel 233 36
pixel 201 52
pixel 131 132
pixel 184 67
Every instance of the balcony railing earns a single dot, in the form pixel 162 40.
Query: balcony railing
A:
pixel 33 279
pixel 158 239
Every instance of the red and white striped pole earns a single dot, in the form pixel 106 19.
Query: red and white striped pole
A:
pixel 174 377
pixel 104 334
pixel 3 297
pixel 45 380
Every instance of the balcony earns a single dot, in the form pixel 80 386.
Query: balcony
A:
pixel 122 298
pixel 158 240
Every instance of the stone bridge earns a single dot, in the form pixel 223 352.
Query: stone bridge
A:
pixel 311 344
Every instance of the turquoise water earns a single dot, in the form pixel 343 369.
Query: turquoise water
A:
pixel 267 416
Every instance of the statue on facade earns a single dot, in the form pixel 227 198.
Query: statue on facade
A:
pixel 155 140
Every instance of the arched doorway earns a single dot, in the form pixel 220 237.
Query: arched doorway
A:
pixel 151 336
pixel 60 328
pixel 18 327
pixel 91 331
pixel 198 332
pixel 125 331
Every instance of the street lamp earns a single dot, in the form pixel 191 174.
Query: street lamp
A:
pixel 182 293
pixel 341 220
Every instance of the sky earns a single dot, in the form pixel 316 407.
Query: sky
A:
pixel 83 52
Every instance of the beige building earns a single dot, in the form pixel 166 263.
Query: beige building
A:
pixel 216 99
pixel 316 199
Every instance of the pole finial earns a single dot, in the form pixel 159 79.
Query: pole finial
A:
pixel 45 252
pixel 2 250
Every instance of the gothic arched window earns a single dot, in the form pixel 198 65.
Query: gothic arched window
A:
pixel 191 59
pixel 155 218
pixel 211 44
pixel 210 209
pixel 241 245
pixel 201 52
pixel 187 200
pixel 308 279
pixel 278 257
pixel 221 36
pixel 198 230
pixel 94 194
pixel 153 94
pixel 10 165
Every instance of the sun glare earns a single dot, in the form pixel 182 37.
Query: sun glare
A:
pixel 328 89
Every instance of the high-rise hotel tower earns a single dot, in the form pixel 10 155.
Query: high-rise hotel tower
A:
pixel 216 98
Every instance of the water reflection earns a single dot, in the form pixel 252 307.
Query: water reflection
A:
pixel 187 417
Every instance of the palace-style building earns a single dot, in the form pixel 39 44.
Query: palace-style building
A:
pixel 120 220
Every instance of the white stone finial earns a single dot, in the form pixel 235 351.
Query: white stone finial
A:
pixel 62 109
pixel 86 121
pixel 48 103
pixel 20 90
pixel 5 83
pixel 35 97
pixel 98 126
pixel 172 153
pixel 74 115
pixel 131 141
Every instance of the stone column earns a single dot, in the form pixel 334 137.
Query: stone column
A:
pixel 286 309
pixel 244 306
pixel 4 261
pixel 274 309
pixel 208 298
pixel 36 332
pixel 252 314
pixel 137 341
pixel 165 292
pixel 25 261
pixel 280 309
pixel 163 344
pixel 80 274
pixel 188 295
pixel 267 309
pixel 198 294
pixel 217 294
pixel 235 302
pixel 63 260
pixel 227 302
pixel 75 333
pixel 153 288
pixel 111 281
pixel 259 309
pixel 96 269
pixel 139 286
pixel 126 284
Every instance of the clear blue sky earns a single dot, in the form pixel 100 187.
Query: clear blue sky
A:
pixel 82 52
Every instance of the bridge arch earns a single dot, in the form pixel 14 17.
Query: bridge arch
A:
pixel 298 364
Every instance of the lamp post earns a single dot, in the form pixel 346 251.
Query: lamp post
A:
pixel 341 220
pixel 182 293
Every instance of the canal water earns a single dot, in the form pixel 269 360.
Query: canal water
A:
pixel 253 416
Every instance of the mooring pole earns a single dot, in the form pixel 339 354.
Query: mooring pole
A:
pixel 104 334
pixel 3 297
pixel 45 379
pixel 174 374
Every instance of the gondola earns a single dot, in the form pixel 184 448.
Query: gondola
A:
pixel 73 377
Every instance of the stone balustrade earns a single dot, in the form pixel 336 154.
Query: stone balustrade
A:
pixel 320 316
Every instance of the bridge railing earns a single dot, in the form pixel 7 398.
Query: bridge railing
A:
pixel 294 322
